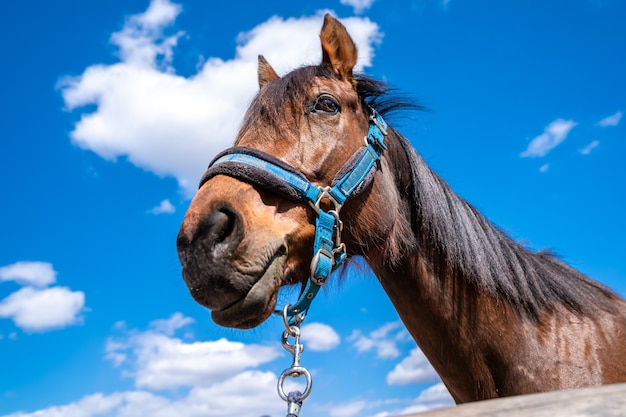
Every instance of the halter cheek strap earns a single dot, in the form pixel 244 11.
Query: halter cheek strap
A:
pixel 259 168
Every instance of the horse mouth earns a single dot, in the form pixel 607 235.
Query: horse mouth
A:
pixel 258 303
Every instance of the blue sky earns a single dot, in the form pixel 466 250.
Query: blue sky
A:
pixel 112 109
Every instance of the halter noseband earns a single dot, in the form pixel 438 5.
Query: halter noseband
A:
pixel 259 168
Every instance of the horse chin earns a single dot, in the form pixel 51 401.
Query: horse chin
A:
pixel 258 304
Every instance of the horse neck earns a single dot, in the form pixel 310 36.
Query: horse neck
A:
pixel 451 324
pixel 468 295
pixel 438 309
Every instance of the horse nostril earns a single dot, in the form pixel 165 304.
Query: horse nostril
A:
pixel 221 226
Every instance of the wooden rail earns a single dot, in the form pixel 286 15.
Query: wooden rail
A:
pixel 604 401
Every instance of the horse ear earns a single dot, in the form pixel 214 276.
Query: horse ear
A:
pixel 338 49
pixel 266 72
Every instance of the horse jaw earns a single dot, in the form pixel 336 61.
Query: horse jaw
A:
pixel 258 304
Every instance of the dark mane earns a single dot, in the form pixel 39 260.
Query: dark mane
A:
pixel 381 97
pixel 460 242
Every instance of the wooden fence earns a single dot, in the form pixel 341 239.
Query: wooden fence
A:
pixel 604 401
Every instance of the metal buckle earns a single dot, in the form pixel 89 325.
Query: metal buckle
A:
pixel 325 193
pixel 316 258
pixel 374 119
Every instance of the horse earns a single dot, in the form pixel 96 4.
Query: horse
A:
pixel 493 317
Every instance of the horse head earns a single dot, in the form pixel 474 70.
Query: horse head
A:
pixel 239 241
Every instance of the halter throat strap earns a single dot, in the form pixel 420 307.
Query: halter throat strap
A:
pixel 268 172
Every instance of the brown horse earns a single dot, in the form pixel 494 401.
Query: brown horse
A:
pixel 493 318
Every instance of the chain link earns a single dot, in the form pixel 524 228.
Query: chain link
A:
pixel 293 398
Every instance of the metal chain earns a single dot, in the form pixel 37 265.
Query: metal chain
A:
pixel 293 398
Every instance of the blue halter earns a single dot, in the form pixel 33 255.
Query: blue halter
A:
pixel 266 171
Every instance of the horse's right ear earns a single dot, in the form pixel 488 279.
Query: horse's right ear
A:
pixel 266 72
pixel 338 48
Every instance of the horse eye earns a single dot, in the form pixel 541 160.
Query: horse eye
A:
pixel 326 104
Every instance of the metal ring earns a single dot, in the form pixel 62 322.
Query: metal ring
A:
pixel 295 372
pixel 298 318
pixel 292 329
pixel 295 333
pixel 285 319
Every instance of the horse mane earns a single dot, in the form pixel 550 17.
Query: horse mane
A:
pixel 457 241
pixel 460 241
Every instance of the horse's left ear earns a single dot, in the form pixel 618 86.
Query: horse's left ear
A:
pixel 338 49
pixel 266 72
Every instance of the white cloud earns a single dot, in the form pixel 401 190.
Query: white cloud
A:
pixel 141 41
pixel 249 394
pixel 90 405
pixel 555 133
pixel 357 406
pixel 612 120
pixel 436 393
pixel 37 310
pixel 292 42
pixel 319 337
pixel 385 329
pixel 544 168
pixel 164 207
pixel 202 386
pixel 158 361
pixel 38 274
pixel 358 6
pixel 348 409
pixel 173 125
pixel 170 325
pixel 380 340
pixel 167 363
pixel 413 369
pixel 434 397
pixel 590 147
pixel 210 378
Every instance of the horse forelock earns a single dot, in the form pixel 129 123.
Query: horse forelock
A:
pixel 277 104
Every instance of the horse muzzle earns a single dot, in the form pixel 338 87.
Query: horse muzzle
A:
pixel 241 293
